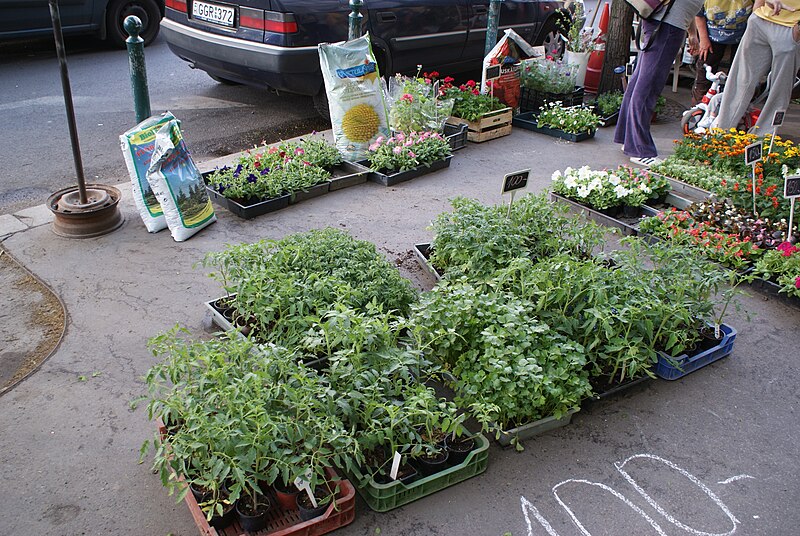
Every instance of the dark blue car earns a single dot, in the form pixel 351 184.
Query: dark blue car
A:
pixel 273 43
pixel 21 19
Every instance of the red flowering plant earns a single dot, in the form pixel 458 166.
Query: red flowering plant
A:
pixel 782 266
pixel 726 248
pixel 470 104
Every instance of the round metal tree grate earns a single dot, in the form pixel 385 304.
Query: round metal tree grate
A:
pixel 672 111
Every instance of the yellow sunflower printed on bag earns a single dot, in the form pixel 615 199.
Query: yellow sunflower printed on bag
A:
pixel 355 96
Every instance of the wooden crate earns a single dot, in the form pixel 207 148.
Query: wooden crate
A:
pixel 490 126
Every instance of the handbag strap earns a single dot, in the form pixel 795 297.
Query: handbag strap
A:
pixel 655 32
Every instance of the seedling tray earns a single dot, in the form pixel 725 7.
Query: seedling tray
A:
pixel 348 174
pixel 390 179
pixel 619 388
pixel 314 191
pixel 456 135
pixel 247 212
pixel 528 121
pixel 532 100
pixel 685 190
pixel 609 121
pixel 672 368
pixel 532 429
pixel 772 290
pixel 628 226
pixel 283 522
pixel 422 254
pixel 385 497
pixel 225 325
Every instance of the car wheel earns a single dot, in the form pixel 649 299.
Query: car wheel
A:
pixel 551 38
pixel 225 81
pixel 116 12
pixel 321 104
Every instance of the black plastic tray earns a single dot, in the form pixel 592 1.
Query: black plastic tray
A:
pixel 528 121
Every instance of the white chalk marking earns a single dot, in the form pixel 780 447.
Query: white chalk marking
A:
pixel 528 506
pixel 735 478
pixel 661 510
pixel 614 492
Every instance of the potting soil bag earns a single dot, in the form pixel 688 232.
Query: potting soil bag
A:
pixel 355 95
pixel 178 184
pixel 137 149
pixel 508 52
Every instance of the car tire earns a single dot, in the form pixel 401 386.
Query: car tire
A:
pixel 148 12
pixel 321 104
pixel 550 37
pixel 224 81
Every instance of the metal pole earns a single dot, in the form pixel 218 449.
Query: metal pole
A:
pixel 491 26
pixel 138 69
pixel 789 233
pixel 355 18
pixel 73 130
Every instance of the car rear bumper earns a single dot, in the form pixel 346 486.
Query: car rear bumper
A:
pixel 290 69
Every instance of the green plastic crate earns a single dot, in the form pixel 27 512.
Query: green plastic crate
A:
pixel 385 497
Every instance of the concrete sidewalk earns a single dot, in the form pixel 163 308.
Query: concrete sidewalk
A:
pixel 715 452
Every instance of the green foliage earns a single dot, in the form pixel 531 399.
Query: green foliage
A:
pixel 283 288
pixel 477 239
pixel 548 76
pixel 402 152
pixel 275 171
pixel 414 107
pixel 573 120
pixel 469 103
pixel 782 266
pixel 609 103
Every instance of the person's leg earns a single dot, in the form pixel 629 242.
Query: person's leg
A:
pixel 782 76
pixel 619 130
pixel 752 62
pixel 653 68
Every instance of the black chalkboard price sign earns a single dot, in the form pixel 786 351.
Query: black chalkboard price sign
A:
pixel 752 153
pixel 791 186
pixel 492 72
pixel 516 181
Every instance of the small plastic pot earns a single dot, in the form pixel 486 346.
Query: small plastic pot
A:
pixel 252 522
pixel 286 496
pixel 430 465
pixel 458 449
pixel 307 510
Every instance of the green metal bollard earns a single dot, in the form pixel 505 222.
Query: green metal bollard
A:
pixel 491 26
pixel 135 44
pixel 354 28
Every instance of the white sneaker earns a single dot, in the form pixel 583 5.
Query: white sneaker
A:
pixel 646 161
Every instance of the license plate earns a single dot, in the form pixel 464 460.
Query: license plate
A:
pixel 213 13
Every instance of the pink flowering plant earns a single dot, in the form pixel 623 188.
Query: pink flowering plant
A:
pixel 782 266
pixel 402 152
pixel 269 172
pixel 414 106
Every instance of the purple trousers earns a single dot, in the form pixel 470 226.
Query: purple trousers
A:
pixel 644 87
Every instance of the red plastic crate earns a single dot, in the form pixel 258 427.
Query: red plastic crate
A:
pixel 283 522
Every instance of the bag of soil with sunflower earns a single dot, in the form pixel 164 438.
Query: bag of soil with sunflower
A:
pixel 355 96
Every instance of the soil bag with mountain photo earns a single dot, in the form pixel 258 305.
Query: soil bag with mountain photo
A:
pixel 355 96
pixel 178 184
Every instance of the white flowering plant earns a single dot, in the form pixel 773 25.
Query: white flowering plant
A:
pixel 603 189
pixel 572 120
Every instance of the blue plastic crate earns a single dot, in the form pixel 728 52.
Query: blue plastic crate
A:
pixel 672 368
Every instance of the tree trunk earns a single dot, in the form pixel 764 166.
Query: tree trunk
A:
pixel 618 42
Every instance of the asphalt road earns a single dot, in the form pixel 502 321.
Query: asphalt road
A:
pixel 36 154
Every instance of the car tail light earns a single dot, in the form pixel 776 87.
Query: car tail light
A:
pixel 177 5
pixel 279 22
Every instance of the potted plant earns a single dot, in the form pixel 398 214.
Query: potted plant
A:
pixel 544 81
pixel 485 116
pixel 406 156
pixel 574 123
pixel 414 106
pixel 607 107
pixel 579 45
